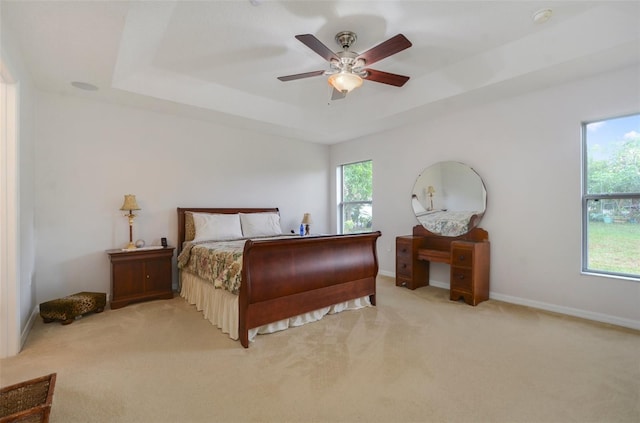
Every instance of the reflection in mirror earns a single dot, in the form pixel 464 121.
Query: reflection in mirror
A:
pixel 449 199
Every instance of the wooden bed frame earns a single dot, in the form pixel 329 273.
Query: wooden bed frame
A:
pixel 287 277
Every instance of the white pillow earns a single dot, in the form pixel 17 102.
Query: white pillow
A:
pixel 216 227
pixel 260 224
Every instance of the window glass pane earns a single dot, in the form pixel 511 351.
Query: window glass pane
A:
pixel 357 197
pixel 616 210
pixel 357 183
pixel 613 239
pixel 356 218
pixel 613 156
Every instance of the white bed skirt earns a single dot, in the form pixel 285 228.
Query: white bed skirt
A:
pixel 220 307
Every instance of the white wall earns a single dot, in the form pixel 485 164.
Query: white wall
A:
pixel 527 150
pixel 89 154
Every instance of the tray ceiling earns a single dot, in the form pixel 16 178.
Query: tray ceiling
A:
pixel 219 60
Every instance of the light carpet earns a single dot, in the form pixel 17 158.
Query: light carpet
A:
pixel 416 357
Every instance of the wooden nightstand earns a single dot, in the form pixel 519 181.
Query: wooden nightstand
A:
pixel 140 275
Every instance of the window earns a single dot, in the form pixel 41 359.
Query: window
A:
pixel 356 197
pixel 611 197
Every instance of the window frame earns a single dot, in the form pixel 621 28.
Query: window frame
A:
pixel 586 197
pixel 340 191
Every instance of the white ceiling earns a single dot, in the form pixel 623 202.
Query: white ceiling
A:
pixel 218 60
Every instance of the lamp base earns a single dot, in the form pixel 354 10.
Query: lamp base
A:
pixel 131 246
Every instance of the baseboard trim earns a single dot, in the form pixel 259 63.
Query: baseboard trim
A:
pixel 439 284
pixel 27 328
pixel 569 311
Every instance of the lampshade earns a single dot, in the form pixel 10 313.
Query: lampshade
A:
pixel 345 81
pixel 431 190
pixel 130 203
pixel 306 219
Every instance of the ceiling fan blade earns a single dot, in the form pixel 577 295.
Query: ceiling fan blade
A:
pixel 300 75
pixel 386 77
pixel 316 45
pixel 392 46
pixel 338 95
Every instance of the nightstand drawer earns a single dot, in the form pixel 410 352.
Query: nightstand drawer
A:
pixel 461 279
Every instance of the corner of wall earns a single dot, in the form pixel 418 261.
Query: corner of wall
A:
pixel 29 325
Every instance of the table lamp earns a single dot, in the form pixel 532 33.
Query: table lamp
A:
pixel 431 190
pixel 131 205
pixel 306 221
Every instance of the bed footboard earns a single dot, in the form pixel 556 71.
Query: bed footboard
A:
pixel 284 278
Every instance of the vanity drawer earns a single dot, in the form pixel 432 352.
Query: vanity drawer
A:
pixel 404 249
pixel 404 267
pixel 461 279
pixel 462 256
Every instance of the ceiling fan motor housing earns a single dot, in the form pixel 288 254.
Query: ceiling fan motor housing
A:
pixel 346 39
pixel 348 63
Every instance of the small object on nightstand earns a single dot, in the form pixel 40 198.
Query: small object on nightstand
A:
pixel 140 243
pixel 163 241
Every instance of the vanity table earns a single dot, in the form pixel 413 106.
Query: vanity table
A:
pixel 468 256
pixel 449 200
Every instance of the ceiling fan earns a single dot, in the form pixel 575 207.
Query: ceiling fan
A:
pixel 348 68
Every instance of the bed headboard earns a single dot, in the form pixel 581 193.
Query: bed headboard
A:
pixel 182 210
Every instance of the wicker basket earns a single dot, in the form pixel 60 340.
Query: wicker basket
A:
pixel 28 401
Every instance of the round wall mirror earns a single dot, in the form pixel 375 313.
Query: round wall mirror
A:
pixel 449 199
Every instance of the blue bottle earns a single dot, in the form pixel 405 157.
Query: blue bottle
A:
pixel 301 229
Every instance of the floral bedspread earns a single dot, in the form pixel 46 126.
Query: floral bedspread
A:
pixel 219 262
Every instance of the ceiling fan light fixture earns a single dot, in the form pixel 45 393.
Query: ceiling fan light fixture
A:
pixel 345 81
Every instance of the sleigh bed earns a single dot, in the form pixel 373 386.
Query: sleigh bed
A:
pixel 274 282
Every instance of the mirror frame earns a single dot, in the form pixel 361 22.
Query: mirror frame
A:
pixel 449 198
